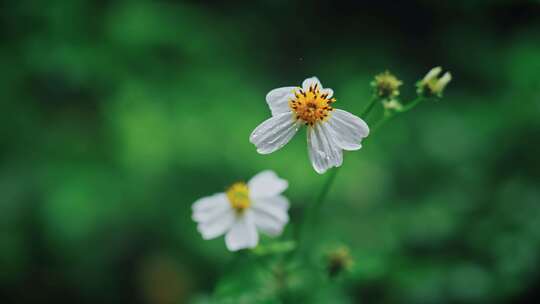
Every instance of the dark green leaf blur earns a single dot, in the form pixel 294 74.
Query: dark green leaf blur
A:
pixel 117 115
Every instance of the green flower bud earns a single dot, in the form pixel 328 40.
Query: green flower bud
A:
pixel 432 84
pixel 386 85
pixel 392 105
pixel 338 261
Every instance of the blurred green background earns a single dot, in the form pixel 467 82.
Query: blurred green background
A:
pixel 117 115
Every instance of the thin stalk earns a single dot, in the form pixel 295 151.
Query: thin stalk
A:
pixel 411 104
pixel 325 189
pixel 312 215
pixel 388 115
pixel 381 122
pixel 369 107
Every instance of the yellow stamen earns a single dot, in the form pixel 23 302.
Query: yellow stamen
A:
pixel 311 106
pixel 238 195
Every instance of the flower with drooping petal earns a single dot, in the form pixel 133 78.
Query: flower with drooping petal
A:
pixel 243 210
pixel 330 130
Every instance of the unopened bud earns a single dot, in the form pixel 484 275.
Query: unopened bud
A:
pixel 339 260
pixel 432 84
pixel 386 85
pixel 392 105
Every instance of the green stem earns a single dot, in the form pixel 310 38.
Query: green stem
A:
pixel 312 216
pixel 315 210
pixel 389 115
pixel 369 107
pixel 411 104
pixel 381 122
pixel 324 191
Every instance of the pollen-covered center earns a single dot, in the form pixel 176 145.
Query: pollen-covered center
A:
pixel 238 195
pixel 311 106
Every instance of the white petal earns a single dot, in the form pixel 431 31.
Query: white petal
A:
pixel 280 202
pixel 433 73
pixel 266 184
pixel 278 99
pixel 243 233
pixel 311 82
pixel 274 133
pixel 347 129
pixel 218 225
pixel 323 152
pixel 207 207
pixel 445 79
pixel 328 92
pixel 270 214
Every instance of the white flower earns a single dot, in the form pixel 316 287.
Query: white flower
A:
pixel 243 210
pixel 329 130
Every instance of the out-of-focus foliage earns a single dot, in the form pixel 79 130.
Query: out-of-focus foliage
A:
pixel 117 115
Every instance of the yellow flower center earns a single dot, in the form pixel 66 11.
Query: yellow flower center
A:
pixel 311 106
pixel 238 195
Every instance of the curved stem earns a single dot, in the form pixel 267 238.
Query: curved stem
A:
pixel 369 107
pixel 387 116
pixel 325 189
pixel 411 104
pixel 381 122
pixel 312 216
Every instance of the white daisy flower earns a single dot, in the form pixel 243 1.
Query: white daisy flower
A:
pixel 243 210
pixel 329 130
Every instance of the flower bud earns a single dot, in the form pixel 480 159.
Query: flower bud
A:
pixel 386 85
pixel 392 105
pixel 432 84
pixel 338 261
